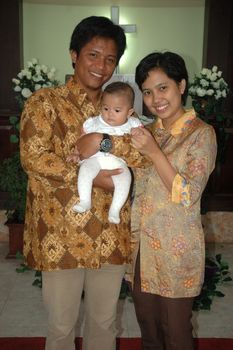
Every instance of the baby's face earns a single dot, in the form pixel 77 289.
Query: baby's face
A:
pixel 115 109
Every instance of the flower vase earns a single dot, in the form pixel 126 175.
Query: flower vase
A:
pixel 205 109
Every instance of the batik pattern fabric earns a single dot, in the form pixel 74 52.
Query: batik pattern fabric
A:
pixel 56 237
pixel 167 225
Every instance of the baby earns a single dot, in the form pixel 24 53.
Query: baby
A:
pixel 115 119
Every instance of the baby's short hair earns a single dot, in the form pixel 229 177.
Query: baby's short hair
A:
pixel 121 88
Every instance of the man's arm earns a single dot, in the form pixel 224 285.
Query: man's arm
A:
pixel 104 179
pixel 89 144
pixel 37 152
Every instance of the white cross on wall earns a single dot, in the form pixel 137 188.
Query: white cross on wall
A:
pixel 115 13
pixel 128 28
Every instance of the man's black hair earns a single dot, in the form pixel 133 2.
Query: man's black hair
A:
pixel 97 26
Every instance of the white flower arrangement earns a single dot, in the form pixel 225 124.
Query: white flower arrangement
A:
pixel 33 78
pixel 209 84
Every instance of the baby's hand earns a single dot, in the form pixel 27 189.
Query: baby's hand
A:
pixel 74 156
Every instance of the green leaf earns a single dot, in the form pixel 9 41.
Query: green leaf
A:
pixel 13 120
pixel 122 296
pixel 227 279
pixel 22 268
pixel 14 139
pixel 219 294
pixel 205 307
pixel 219 258
pixel 225 273
pixel 219 117
pixel 38 273
pixel 18 255
pixel 224 265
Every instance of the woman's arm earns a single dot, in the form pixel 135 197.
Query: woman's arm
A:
pixel 187 184
pixel 144 142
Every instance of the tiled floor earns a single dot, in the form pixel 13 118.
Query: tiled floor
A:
pixel 22 313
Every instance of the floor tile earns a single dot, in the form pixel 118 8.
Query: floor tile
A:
pixel 22 312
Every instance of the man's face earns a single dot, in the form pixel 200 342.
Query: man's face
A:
pixel 95 63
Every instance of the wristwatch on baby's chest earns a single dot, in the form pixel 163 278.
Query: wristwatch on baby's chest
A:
pixel 106 143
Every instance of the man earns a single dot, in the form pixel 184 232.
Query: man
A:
pixel 75 252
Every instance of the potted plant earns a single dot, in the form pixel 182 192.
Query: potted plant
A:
pixel 13 179
pixel 216 274
pixel 208 91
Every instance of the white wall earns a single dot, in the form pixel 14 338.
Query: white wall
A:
pixel 47 30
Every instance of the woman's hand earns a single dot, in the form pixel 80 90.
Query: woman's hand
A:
pixel 89 144
pixel 104 179
pixel 144 142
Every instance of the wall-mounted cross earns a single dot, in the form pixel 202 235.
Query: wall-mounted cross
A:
pixel 115 14
pixel 128 28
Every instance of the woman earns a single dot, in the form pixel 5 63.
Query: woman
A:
pixel 167 235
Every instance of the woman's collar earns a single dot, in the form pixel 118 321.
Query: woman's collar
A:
pixel 181 124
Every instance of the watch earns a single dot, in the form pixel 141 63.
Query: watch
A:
pixel 106 143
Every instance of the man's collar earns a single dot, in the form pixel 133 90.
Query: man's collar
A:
pixel 75 88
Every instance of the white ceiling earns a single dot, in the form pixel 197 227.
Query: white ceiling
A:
pixel 132 3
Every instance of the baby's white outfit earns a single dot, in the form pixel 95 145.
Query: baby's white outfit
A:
pixel 89 168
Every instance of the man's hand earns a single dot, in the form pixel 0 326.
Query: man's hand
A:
pixel 104 179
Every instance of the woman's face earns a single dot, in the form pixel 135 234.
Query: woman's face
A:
pixel 162 96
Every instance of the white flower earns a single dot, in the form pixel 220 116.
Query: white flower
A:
pixel 209 84
pixel 214 69
pixel 201 92
pixel 210 92
pixel 17 88
pixel 16 81
pixel 192 90
pixel 44 68
pixel 204 82
pixel 215 85
pixel 26 92
pixel 32 78
pixel 209 74
pixel 50 75
pixel 38 69
pixel 37 78
pixel 218 95
pixel 204 71
pixel 224 93
pixel 213 77
pixel 24 72
pixel 29 75
pixel 37 87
